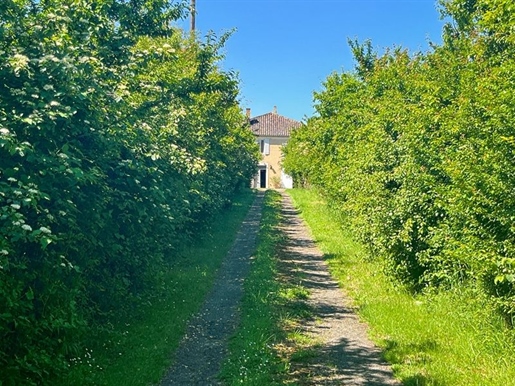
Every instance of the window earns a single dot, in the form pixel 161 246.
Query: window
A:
pixel 264 146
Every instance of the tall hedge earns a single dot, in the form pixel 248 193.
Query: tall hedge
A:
pixel 119 138
pixel 417 153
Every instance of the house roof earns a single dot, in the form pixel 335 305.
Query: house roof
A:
pixel 272 125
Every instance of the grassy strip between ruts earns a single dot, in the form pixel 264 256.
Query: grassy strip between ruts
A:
pixel 447 338
pixel 252 359
pixel 138 351
pixel 268 342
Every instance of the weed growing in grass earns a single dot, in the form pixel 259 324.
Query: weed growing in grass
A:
pixel 451 338
pixel 296 292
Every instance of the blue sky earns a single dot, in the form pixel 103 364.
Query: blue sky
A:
pixel 284 49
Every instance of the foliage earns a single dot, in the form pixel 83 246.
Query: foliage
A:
pixel 119 138
pixel 416 152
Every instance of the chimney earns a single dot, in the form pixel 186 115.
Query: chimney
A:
pixel 275 109
pixel 248 113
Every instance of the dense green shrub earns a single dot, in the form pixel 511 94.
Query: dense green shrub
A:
pixel 119 138
pixel 416 152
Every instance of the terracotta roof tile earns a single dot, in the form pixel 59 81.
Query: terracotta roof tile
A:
pixel 273 125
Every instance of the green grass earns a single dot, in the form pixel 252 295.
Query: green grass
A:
pixel 448 338
pixel 138 351
pixel 252 359
pixel 269 342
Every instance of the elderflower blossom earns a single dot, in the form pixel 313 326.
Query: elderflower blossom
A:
pixel 19 62
pixel 45 230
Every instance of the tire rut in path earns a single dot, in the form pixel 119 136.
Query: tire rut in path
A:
pixel 199 357
pixel 345 355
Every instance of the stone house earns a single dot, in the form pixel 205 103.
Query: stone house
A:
pixel 272 132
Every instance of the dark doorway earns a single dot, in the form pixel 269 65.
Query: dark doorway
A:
pixel 262 178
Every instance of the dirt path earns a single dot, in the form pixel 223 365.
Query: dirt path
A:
pixel 200 354
pixel 343 354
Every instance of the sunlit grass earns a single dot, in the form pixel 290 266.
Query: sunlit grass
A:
pixel 138 351
pixel 252 359
pixel 271 338
pixel 451 338
pixel 294 292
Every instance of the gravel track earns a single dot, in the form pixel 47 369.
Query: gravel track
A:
pixel 344 355
pixel 202 350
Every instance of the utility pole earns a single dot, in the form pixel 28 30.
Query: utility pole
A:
pixel 192 11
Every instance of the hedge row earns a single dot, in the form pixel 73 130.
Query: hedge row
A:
pixel 119 138
pixel 417 153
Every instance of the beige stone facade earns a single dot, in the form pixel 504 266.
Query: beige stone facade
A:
pixel 270 174
pixel 272 132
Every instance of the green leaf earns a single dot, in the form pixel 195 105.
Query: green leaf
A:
pixel 29 294
pixel 45 242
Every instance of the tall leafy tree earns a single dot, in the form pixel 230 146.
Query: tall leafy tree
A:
pixel 416 151
pixel 118 137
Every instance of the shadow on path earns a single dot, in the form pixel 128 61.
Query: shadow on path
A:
pixel 343 354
